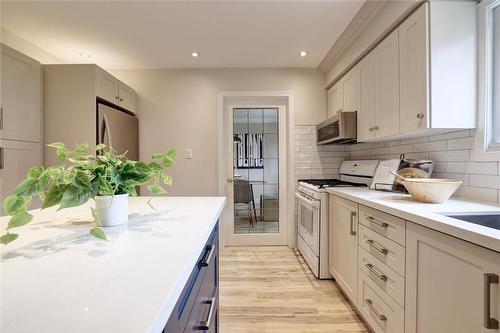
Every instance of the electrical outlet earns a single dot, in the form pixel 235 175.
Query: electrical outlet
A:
pixel 189 153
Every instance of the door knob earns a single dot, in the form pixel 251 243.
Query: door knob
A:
pixel 230 180
pixel 420 115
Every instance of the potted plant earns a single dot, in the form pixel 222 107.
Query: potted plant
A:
pixel 105 176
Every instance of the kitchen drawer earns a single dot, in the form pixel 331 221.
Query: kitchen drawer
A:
pixel 388 280
pixel 390 253
pixel 204 314
pixel 387 225
pixel 189 297
pixel 380 311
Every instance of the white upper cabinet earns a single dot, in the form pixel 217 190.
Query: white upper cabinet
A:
pixel 451 285
pixel 334 99
pixel 437 61
pixel 413 71
pixel 349 87
pixel 107 86
pixel 366 98
pixel 419 80
pixel 21 109
pixel 112 90
pixel 126 97
pixel 387 87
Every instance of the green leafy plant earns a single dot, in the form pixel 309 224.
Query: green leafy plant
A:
pixel 82 177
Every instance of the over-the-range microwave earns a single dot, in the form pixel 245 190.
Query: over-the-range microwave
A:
pixel 341 128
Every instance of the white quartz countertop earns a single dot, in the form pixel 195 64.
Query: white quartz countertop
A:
pixel 57 278
pixel 429 215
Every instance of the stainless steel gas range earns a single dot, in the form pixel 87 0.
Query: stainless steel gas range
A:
pixel 312 203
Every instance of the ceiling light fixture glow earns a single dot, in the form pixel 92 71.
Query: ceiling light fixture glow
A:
pixel 84 55
pixel 303 53
pixel 194 54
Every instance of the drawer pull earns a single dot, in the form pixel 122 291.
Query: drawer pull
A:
pixel 353 216
pixel 377 274
pixel 377 222
pixel 370 305
pixel 376 247
pixel 489 322
pixel 205 324
pixel 208 255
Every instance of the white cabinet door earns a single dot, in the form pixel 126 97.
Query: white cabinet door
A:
pixel 387 86
pixel 334 99
pixel 414 71
pixel 107 86
pixel 16 158
pixel 21 109
pixel 446 284
pixel 366 98
pixel 127 97
pixel 343 221
pixel 349 88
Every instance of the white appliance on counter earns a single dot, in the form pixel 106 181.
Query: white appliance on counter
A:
pixel 312 203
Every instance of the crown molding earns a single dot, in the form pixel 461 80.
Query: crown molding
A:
pixel 364 15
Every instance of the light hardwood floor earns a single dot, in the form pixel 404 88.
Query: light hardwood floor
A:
pixel 272 290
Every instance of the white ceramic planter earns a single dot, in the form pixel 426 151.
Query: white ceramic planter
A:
pixel 112 210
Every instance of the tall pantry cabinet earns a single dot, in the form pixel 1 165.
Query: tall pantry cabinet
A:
pixel 20 118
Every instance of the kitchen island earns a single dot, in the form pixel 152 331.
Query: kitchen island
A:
pixel 57 278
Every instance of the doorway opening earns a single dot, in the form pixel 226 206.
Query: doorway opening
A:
pixel 255 170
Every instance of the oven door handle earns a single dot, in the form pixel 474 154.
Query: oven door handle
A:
pixel 307 201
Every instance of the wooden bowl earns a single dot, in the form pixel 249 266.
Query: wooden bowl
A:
pixel 432 190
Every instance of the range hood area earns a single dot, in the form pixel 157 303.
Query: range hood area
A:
pixel 341 128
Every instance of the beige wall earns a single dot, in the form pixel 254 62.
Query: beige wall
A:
pixel 25 47
pixel 178 108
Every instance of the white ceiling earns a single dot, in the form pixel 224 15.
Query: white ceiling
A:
pixel 162 34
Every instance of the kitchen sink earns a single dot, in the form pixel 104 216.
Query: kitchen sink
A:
pixel 487 219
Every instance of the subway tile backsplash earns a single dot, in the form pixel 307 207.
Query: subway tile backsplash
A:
pixel 316 161
pixel 451 153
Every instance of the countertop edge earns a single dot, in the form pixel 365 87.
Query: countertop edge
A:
pixel 463 233
pixel 166 310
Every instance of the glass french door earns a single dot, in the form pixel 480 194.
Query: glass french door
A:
pixel 256 190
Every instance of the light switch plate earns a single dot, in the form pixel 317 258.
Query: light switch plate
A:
pixel 189 153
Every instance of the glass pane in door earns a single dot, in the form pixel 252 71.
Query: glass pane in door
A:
pixel 256 170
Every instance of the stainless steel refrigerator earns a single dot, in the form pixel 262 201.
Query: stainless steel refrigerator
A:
pixel 118 129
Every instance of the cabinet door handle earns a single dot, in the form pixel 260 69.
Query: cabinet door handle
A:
pixel 207 257
pixel 376 128
pixel 1 117
pixel 377 222
pixel 121 99
pixel 420 115
pixel 1 158
pixel 489 322
pixel 369 302
pixel 370 129
pixel 376 247
pixel 377 274
pixel 353 216
pixel 204 325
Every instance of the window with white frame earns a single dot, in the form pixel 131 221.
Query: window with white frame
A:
pixel 489 73
pixel 495 82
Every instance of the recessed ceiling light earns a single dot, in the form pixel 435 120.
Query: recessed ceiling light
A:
pixel 84 55
pixel 194 54
pixel 303 53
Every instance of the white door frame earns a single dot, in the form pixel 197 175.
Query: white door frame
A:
pixel 227 99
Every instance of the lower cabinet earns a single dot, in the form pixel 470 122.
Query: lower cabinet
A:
pixel 16 158
pixel 343 245
pixel 197 308
pixel 410 278
pixel 452 285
